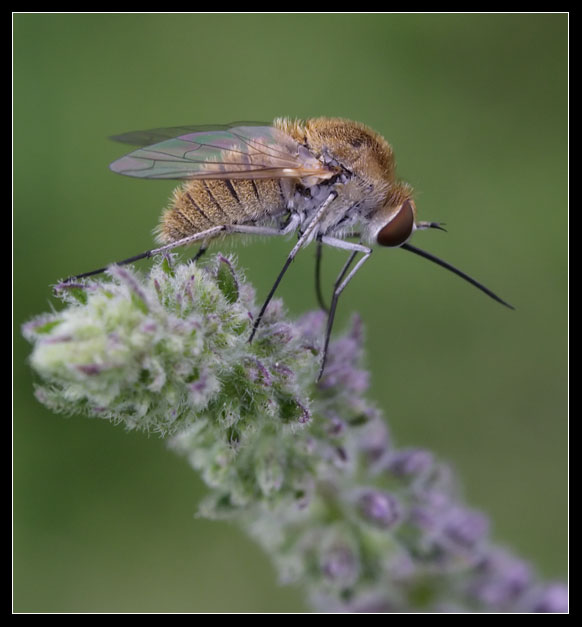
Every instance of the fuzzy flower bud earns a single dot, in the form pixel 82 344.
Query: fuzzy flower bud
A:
pixel 307 469
pixel 379 508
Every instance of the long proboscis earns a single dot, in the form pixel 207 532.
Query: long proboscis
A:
pixel 463 275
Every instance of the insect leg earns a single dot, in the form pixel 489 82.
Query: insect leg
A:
pixel 200 253
pixel 209 233
pixel 203 236
pixel 305 238
pixel 318 293
pixel 253 230
pixel 340 284
pixel 144 255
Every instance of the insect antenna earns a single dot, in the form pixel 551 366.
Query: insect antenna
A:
pixel 431 225
pixel 463 275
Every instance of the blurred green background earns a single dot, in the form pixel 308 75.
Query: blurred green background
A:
pixel 475 107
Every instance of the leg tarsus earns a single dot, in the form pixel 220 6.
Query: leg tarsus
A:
pixel 199 254
pixel 339 286
pixel 318 292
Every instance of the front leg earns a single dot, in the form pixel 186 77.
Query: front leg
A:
pixel 340 284
pixel 304 239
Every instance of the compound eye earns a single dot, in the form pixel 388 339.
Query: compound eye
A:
pixel 399 229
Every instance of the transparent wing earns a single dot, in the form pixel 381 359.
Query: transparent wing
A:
pixel 156 135
pixel 243 152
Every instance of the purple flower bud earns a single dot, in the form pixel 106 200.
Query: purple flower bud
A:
pixel 340 370
pixel 500 580
pixel 448 530
pixel 123 275
pixel 379 508
pixel 57 339
pixel 149 326
pixel 340 565
pixel 90 369
pixel 282 370
pixel 374 442
pixel 336 427
pixel 552 598
pixel 342 364
pixel 281 332
pixel 311 325
pixel 369 604
pixel 258 373
pixel 465 527
pixel 410 462
pixel 202 387
pixel 305 415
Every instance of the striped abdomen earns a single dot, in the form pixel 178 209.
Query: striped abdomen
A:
pixel 201 204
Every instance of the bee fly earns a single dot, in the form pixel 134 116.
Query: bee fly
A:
pixel 326 179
